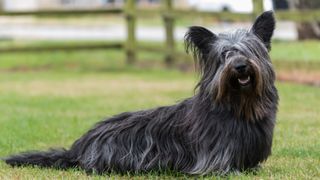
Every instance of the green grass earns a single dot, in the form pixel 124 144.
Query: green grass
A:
pixel 307 51
pixel 293 55
pixel 49 99
pixel 285 55
pixel 51 109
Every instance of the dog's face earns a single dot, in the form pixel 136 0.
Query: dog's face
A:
pixel 235 64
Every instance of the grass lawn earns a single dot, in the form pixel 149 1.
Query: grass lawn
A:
pixel 49 99
pixel 285 55
pixel 52 108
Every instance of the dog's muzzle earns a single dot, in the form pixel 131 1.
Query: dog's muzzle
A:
pixel 243 73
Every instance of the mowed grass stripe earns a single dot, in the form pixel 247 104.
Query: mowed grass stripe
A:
pixel 51 109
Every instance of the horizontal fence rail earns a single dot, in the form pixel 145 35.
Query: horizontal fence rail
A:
pixel 63 47
pixel 168 13
pixel 299 16
pixel 63 12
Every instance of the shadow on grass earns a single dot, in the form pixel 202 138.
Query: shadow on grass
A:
pixel 153 174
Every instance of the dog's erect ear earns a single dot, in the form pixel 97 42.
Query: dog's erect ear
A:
pixel 199 40
pixel 264 26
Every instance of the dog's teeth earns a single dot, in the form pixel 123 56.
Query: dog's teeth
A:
pixel 244 81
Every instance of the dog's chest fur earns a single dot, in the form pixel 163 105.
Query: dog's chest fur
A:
pixel 226 143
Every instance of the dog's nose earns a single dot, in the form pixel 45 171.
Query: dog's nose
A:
pixel 240 67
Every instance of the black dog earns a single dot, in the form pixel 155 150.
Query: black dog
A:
pixel 226 126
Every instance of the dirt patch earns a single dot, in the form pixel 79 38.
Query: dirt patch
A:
pixel 93 86
pixel 27 68
pixel 300 76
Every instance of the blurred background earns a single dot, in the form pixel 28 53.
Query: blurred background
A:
pixel 66 64
pixel 147 30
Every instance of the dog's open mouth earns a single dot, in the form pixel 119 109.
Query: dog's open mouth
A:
pixel 245 80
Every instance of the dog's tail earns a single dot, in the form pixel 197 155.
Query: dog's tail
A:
pixel 56 158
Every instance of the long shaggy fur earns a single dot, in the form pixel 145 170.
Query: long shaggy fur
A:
pixel 224 127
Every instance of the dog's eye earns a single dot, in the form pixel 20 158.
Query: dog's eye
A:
pixel 224 54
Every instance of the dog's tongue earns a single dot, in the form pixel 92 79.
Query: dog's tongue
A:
pixel 244 80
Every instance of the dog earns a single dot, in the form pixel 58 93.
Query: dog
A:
pixel 226 126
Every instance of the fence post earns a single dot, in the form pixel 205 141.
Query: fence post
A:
pixel 257 8
pixel 169 30
pixel 131 31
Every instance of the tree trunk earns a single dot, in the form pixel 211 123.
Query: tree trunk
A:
pixel 308 30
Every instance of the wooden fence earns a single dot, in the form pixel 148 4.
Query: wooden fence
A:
pixel 168 13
